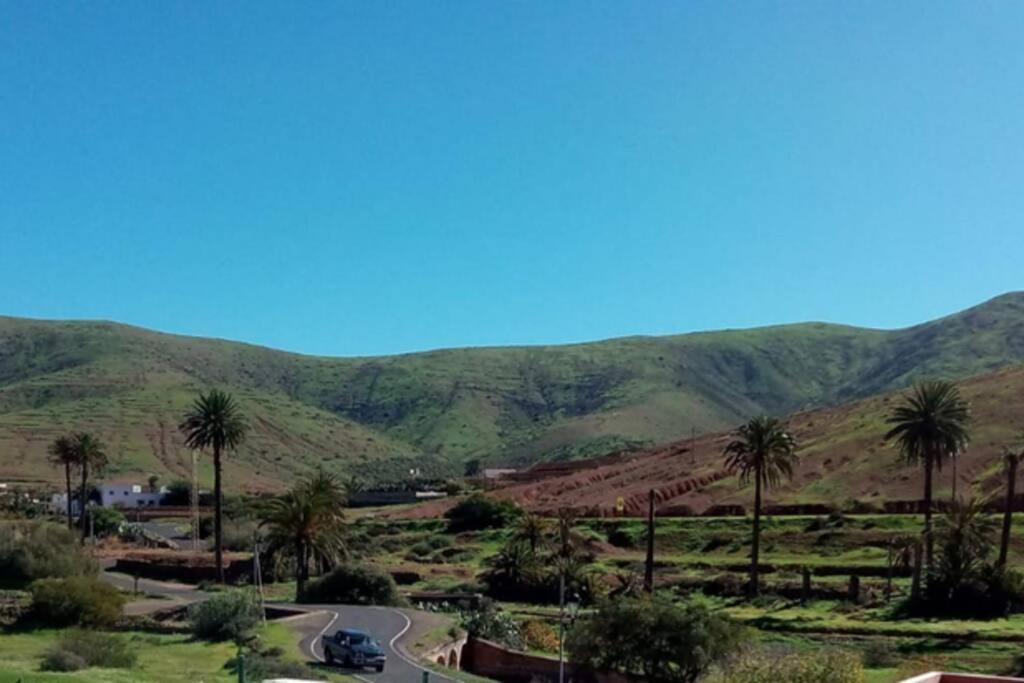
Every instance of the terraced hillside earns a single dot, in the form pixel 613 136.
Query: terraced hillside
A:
pixel 375 417
pixel 843 459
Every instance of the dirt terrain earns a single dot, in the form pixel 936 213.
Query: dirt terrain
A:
pixel 843 458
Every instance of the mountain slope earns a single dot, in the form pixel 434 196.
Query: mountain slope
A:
pixel 376 416
pixel 843 457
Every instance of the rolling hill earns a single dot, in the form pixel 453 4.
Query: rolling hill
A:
pixel 376 417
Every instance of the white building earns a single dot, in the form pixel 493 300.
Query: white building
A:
pixel 114 494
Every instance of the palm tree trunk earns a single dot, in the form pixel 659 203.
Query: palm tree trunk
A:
pixel 67 481
pixel 1004 542
pixel 928 544
pixel 300 569
pixel 649 563
pixel 81 498
pixel 218 541
pixel 755 546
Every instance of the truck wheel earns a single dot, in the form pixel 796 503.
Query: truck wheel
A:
pixel 380 667
pixel 329 657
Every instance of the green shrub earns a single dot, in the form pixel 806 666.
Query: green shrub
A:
pixel 271 664
pixel 489 622
pixel 40 550
pixel 481 512
pixel 656 639
pixel 353 584
pixel 231 615
pixel 623 537
pixel 77 649
pixel 834 666
pixel 106 521
pixel 538 635
pixel 59 660
pixel 78 600
pixel 879 654
pixel 238 536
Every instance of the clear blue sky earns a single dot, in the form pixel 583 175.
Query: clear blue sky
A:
pixel 377 177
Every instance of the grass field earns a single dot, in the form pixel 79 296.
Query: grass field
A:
pixel 693 553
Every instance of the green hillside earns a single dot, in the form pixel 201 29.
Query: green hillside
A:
pixel 377 417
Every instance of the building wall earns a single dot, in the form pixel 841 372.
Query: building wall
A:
pixel 484 658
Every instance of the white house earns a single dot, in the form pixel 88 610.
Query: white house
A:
pixel 116 494
pixel 122 495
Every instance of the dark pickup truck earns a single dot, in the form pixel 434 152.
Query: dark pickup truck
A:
pixel 353 649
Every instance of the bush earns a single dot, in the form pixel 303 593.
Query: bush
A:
pixel 270 664
pixel 834 666
pixel 622 537
pixel 78 600
pixel 481 512
pixel 107 521
pixel 76 650
pixel 353 584
pixel 879 654
pixel 238 536
pixel 490 623
pixel 59 660
pixel 539 636
pixel 231 615
pixel 40 550
pixel 655 639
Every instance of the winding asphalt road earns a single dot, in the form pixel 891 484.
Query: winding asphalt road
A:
pixel 383 623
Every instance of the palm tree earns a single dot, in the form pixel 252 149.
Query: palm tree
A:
pixel 764 450
pixel 307 523
pixel 929 426
pixel 1011 460
pixel 965 534
pixel 532 529
pixel 91 456
pixel 215 422
pixel 63 454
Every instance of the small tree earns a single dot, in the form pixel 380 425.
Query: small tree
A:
pixel 232 615
pixel 481 512
pixel 532 529
pixel 655 639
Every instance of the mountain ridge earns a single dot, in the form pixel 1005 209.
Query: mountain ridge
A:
pixel 377 416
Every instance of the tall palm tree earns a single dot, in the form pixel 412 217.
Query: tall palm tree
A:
pixel 1011 460
pixel 92 457
pixel 307 523
pixel 215 422
pixel 63 454
pixel 928 427
pixel 765 451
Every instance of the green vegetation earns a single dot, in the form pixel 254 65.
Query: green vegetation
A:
pixel 31 550
pixel 834 666
pixel 307 524
pixel 478 511
pixel 159 659
pixel 76 650
pixel 352 584
pixel 75 601
pixel 661 641
pixel 370 416
pixel 230 615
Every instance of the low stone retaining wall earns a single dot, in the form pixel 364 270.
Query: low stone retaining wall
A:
pixel 484 658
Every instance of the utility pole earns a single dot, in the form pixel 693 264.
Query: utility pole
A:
pixel 257 575
pixel 649 564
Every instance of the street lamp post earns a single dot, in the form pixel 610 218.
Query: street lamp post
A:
pixel 563 618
